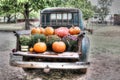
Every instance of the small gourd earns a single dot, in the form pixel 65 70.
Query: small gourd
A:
pixel 31 49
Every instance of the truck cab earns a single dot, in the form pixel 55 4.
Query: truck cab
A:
pixel 55 17
pixel 58 17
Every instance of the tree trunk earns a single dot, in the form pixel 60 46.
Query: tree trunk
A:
pixel 8 18
pixel 102 19
pixel 26 15
pixel 4 19
pixel 15 17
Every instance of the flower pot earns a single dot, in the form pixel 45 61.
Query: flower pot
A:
pixel 24 48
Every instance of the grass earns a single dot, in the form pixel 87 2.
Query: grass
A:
pixel 106 39
pixel 11 27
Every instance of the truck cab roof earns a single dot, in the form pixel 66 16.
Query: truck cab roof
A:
pixel 60 9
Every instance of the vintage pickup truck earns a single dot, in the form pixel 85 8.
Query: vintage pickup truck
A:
pixel 55 17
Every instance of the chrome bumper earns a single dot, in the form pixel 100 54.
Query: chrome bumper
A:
pixel 17 62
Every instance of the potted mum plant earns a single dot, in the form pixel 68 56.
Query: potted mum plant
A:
pixel 24 41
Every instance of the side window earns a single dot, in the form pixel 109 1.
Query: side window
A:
pixel 42 18
pixel 47 19
pixel 76 19
pixel 53 16
pixel 59 16
pixel 67 18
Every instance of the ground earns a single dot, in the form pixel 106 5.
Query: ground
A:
pixel 104 57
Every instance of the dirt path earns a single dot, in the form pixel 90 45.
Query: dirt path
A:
pixel 7 43
pixel 104 57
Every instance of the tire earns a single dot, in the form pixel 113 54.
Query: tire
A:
pixel 83 71
pixel 80 71
pixel 27 70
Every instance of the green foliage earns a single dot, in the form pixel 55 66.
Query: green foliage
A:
pixel 24 40
pixel 34 5
pixel 27 6
pixel 34 15
pixel 7 9
pixel 71 42
pixel 103 9
pixel 34 39
pixel 84 5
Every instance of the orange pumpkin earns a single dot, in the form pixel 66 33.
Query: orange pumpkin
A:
pixel 49 31
pixel 74 30
pixel 42 30
pixel 77 30
pixel 40 47
pixel 59 46
pixel 35 30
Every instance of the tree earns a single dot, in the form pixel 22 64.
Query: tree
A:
pixel 103 9
pixel 84 5
pixel 7 9
pixel 26 6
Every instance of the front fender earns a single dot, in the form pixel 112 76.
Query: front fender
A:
pixel 85 48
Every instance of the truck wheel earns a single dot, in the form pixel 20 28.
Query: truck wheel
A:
pixel 83 71
pixel 27 70
pixel 80 71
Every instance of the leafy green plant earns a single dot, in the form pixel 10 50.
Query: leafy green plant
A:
pixel 71 42
pixel 35 37
pixel 24 40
